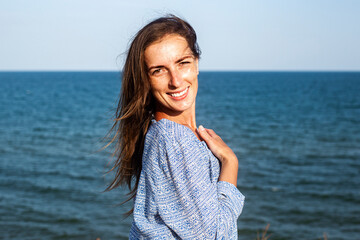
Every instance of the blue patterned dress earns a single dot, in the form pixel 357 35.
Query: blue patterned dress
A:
pixel 179 195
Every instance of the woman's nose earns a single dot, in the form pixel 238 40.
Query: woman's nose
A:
pixel 175 78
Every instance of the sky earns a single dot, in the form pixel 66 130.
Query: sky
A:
pixel 237 35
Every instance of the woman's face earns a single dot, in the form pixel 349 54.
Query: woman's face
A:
pixel 172 70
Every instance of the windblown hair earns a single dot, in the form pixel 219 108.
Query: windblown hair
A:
pixel 136 106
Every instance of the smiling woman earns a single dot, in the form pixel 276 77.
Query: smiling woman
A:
pixel 185 177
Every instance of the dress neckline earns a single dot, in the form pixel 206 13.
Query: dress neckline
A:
pixel 182 126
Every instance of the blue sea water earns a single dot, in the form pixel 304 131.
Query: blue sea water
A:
pixel 297 136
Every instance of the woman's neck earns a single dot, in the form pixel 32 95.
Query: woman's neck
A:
pixel 187 120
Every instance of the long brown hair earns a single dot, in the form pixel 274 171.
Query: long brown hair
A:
pixel 136 104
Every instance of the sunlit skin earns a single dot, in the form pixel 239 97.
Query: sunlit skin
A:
pixel 173 71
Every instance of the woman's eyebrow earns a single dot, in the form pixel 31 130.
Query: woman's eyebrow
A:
pixel 158 66
pixel 183 58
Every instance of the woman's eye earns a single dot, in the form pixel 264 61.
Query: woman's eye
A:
pixel 184 62
pixel 155 72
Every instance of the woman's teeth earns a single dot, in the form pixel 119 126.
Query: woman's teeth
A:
pixel 179 94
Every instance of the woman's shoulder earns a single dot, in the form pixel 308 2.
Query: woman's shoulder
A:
pixel 172 135
pixel 167 129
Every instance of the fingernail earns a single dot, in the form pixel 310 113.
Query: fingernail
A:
pixel 201 128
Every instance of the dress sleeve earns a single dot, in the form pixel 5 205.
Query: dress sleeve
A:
pixel 190 204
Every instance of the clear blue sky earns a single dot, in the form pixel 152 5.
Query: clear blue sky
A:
pixel 233 35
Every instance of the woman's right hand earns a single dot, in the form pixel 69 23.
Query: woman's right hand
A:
pixel 228 159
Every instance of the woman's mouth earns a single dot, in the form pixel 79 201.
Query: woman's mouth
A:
pixel 179 95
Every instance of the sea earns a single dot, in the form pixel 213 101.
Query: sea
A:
pixel 296 134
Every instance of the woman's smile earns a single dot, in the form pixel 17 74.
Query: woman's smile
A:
pixel 179 95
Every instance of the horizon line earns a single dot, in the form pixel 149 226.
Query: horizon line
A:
pixel 118 71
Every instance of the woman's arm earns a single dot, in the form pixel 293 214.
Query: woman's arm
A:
pixel 228 159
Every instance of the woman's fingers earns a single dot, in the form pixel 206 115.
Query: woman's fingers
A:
pixel 216 144
pixel 203 133
pixel 208 135
pixel 211 133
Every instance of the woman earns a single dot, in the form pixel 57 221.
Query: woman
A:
pixel 180 190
